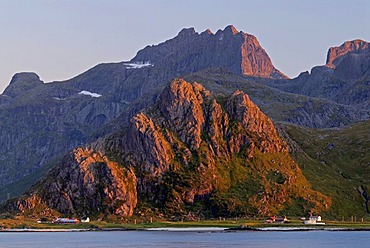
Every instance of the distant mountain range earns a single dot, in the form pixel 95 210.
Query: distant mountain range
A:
pixel 97 111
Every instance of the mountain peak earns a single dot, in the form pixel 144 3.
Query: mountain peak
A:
pixel 24 77
pixel 187 32
pixel 231 29
pixel 357 46
pixel 207 31
pixel 22 82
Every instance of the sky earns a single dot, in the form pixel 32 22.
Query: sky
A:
pixel 59 39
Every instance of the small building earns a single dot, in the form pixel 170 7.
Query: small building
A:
pixel 66 221
pixel 85 219
pixel 42 220
pixel 314 220
pixel 274 219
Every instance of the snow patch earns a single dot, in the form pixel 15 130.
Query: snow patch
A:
pixel 58 98
pixel 138 65
pixel 125 102
pixel 88 93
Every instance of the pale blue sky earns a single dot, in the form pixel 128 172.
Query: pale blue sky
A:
pixel 59 39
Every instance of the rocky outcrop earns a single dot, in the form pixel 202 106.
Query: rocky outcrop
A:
pixel 351 60
pixel 21 83
pixel 242 109
pixel 335 54
pixel 85 183
pixel 181 105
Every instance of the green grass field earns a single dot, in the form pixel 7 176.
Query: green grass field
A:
pixel 336 162
pixel 140 224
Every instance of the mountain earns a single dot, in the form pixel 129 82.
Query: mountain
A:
pixel 42 122
pixel 345 79
pixel 39 122
pixel 191 153
pixel 335 162
pixel 190 51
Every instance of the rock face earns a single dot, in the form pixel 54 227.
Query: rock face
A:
pixel 86 183
pixel 190 52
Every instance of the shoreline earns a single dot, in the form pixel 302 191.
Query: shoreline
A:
pixel 190 229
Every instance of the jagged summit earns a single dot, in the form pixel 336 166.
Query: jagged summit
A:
pixel 207 31
pixel 231 29
pixel 357 46
pixel 187 32
pixel 190 51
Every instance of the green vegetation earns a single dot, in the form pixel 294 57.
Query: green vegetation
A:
pixel 336 162
pixel 140 224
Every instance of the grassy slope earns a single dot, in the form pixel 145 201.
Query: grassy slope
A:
pixel 336 162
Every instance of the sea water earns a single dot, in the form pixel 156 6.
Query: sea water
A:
pixel 193 239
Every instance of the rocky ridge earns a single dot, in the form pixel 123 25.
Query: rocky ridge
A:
pixel 191 153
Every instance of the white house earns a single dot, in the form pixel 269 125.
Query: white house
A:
pixel 85 219
pixel 314 220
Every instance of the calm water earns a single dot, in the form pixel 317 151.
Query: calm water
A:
pixel 187 239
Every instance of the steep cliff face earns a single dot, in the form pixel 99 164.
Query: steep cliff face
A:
pixel 192 153
pixel 190 52
pixel 85 183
